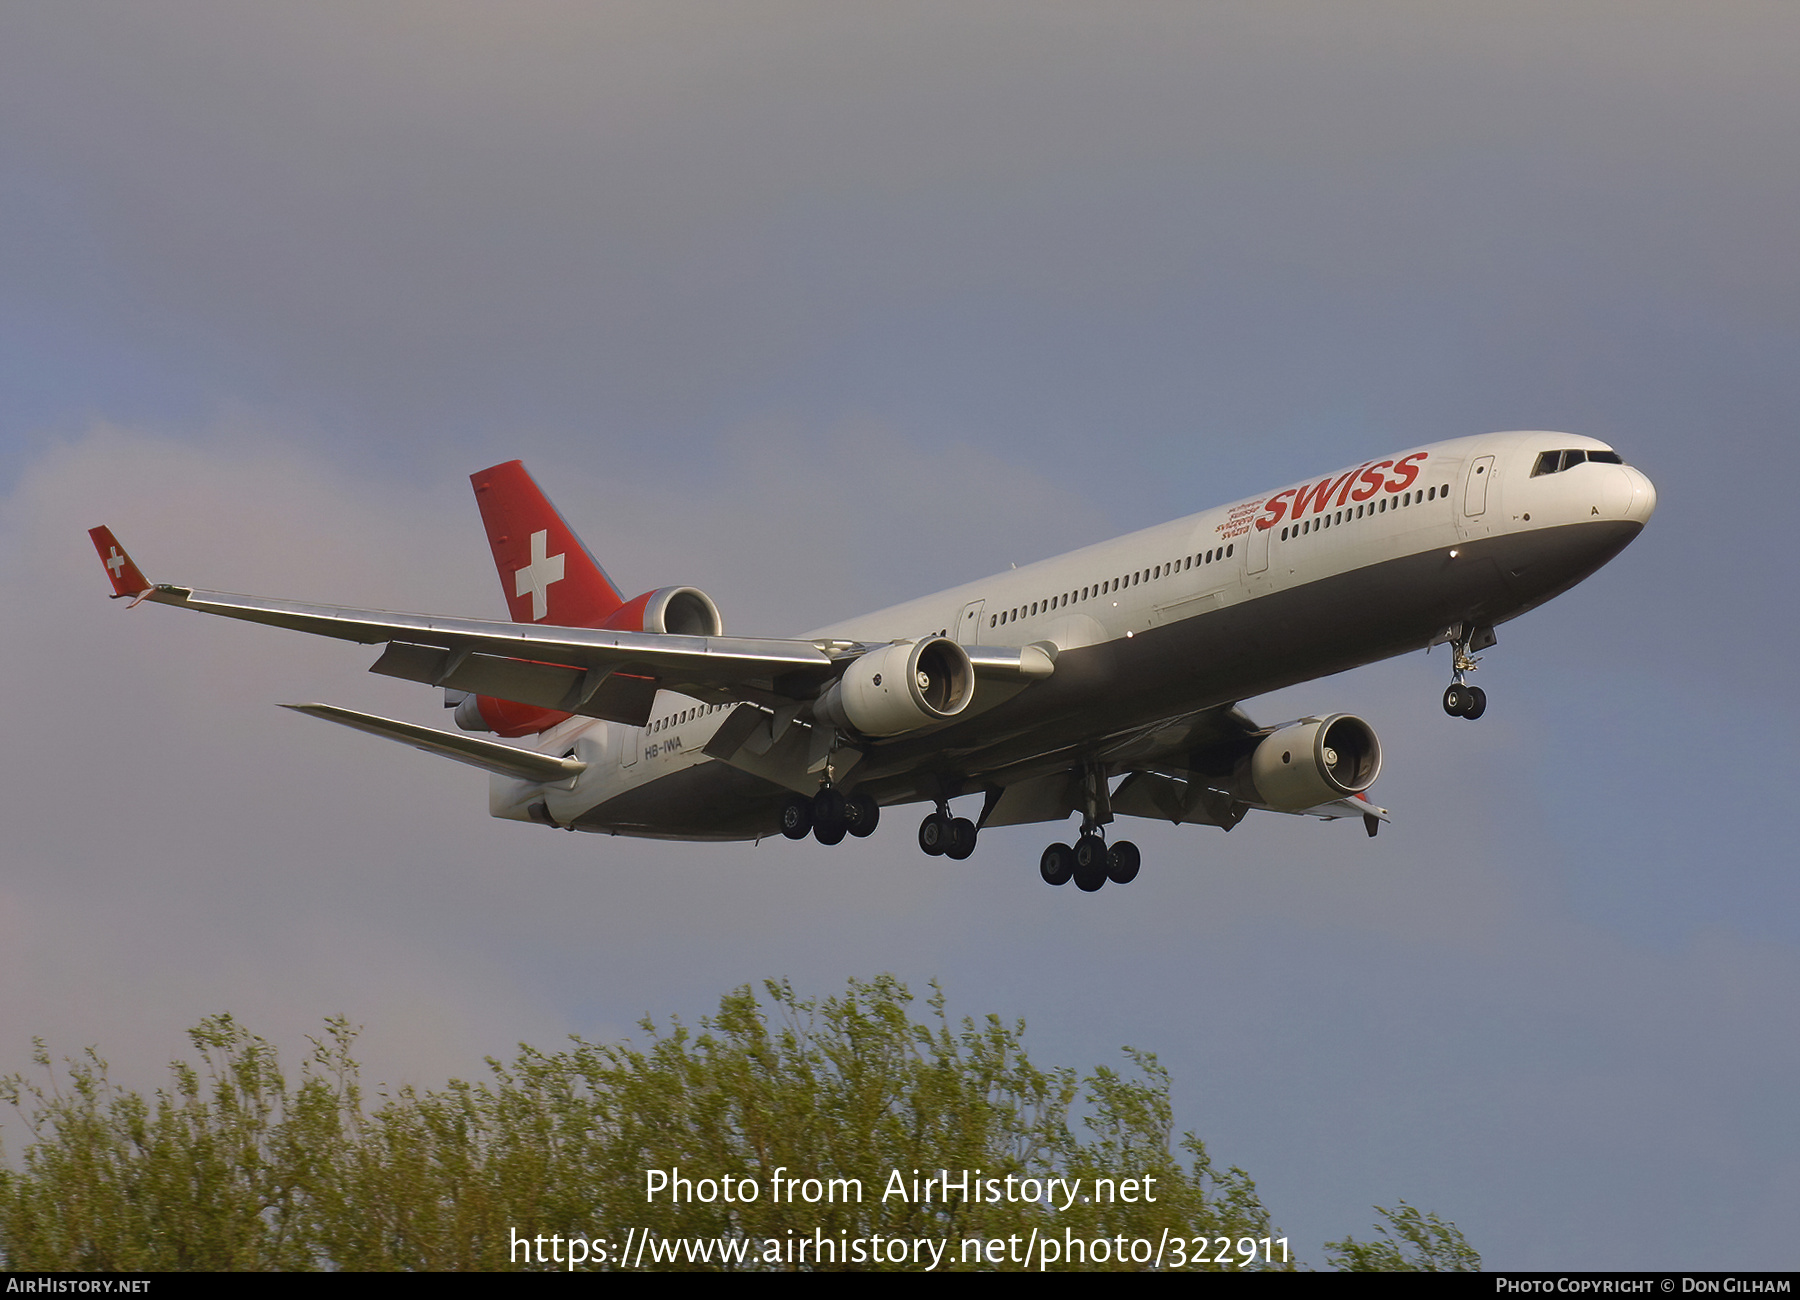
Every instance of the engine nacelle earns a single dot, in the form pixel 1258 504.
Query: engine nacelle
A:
pixel 1315 761
pixel 676 611
pixel 900 688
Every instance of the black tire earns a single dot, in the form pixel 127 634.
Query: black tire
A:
pixel 828 834
pixel 1122 863
pixel 828 808
pixel 1456 700
pixel 934 834
pixel 1089 849
pixel 1477 703
pixel 796 816
pixel 1057 864
pixel 962 839
pixel 861 815
pixel 1090 877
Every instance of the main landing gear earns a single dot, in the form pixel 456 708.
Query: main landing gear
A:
pixel 1090 863
pixel 951 837
pixel 1460 699
pixel 829 816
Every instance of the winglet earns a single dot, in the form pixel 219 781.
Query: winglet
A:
pixel 127 579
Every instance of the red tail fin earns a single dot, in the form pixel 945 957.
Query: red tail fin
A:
pixel 547 574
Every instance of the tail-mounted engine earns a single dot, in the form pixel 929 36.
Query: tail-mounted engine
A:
pixel 900 688
pixel 1315 761
pixel 672 611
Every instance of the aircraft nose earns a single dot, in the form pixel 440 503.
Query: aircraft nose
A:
pixel 1643 496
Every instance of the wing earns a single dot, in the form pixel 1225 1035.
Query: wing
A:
pixel 601 674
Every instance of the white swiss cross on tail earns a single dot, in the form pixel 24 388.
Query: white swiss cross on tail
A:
pixel 537 576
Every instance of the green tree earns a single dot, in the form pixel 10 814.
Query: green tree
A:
pixel 233 1167
pixel 1410 1242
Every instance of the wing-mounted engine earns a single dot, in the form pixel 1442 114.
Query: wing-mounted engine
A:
pixel 1316 766
pixel 900 688
pixel 1313 761
pixel 676 611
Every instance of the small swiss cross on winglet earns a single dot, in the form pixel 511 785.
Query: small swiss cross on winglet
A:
pixel 127 579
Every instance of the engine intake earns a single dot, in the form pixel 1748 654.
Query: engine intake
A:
pixel 900 688
pixel 1315 761
pixel 676 611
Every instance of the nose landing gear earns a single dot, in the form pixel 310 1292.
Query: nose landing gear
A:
pixel 1464 701
pixel 1460 699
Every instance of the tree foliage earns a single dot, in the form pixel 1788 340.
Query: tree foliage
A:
pixel 1410 1242
pixel 231 1166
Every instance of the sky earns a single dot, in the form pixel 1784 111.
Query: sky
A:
pixel 819 307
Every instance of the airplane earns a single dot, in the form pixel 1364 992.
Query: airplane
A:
pixel 1038 688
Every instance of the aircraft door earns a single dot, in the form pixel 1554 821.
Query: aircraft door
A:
pixel 1256 549
pixel 1475 488
pixel 631 739
pixel 970 627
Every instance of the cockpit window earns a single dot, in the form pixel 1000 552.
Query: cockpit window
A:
pixel 1552 462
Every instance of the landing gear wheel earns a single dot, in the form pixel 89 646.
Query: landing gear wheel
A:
pixel 1456 699
pixel 1057 864
pixel 829 824
pixel 796 816
pixel 1122 863
pixel 1090 850
pixel 962 839
pixel 935 834
pixel 1477 703
pixel 1092 876
pixel 861 815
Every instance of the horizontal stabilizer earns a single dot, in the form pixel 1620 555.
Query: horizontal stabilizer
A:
pixel 489 755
